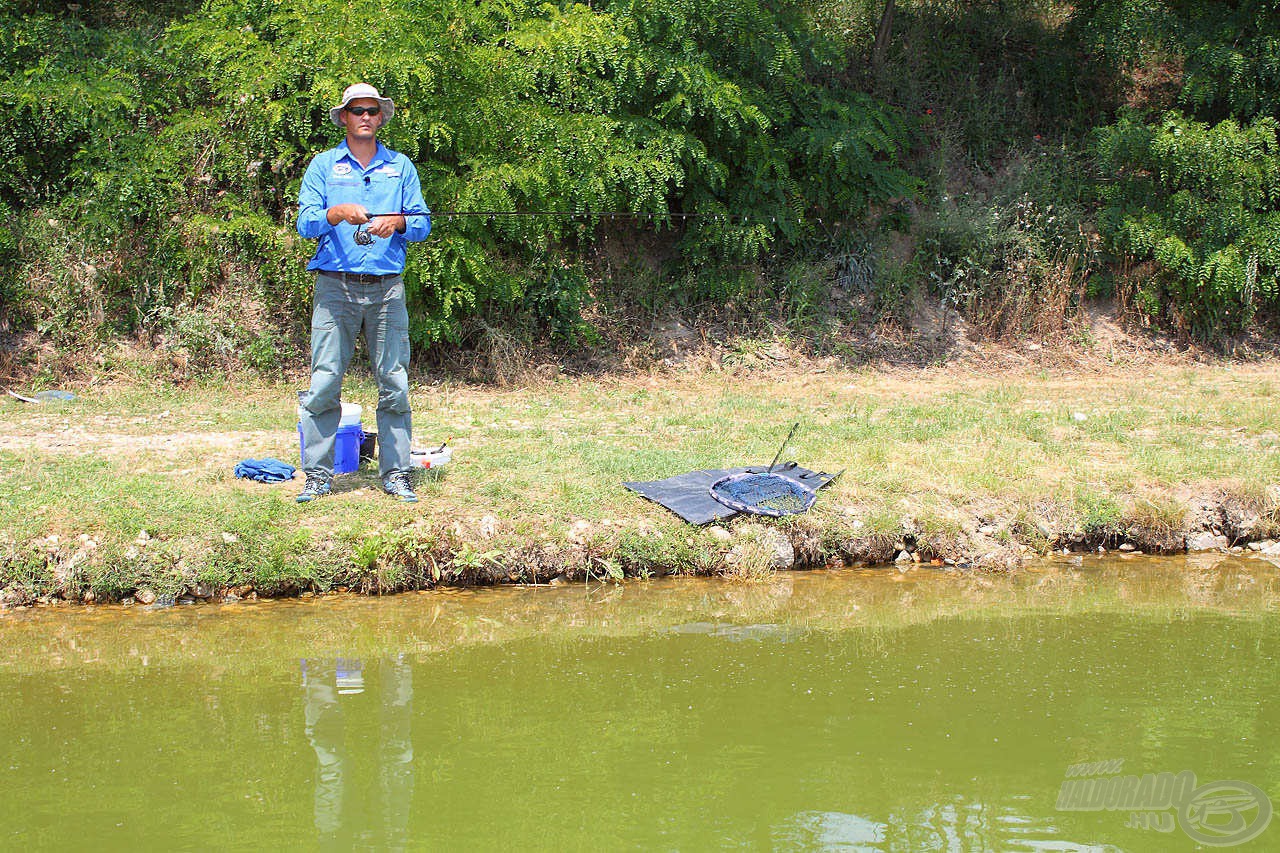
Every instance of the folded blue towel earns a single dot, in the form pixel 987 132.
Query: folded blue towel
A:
pixel 265 470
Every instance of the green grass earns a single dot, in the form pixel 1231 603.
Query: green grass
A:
pixel 934 445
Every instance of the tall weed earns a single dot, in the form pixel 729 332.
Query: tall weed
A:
pixel 1016 263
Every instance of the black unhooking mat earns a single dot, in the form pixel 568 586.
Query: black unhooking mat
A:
pixel 689 495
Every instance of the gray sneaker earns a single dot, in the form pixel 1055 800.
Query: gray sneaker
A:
pixel 398 483
pixel 317 486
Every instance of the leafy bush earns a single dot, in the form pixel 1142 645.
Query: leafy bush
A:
pixel 1203 203
pixel 73 91
pixel 1194 190
pixel 1226 54
pixel 984 77
pixel 178 169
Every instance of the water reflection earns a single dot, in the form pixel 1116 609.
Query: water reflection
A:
pixel 352 739
pixel 856 710
pixel 759 632
pixel 830 831
pixel 953 826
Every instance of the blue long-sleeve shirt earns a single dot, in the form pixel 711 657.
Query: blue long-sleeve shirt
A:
pixel 389 184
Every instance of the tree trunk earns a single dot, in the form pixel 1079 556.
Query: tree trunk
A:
pixel 883 33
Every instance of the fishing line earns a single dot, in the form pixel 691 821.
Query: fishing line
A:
pixel 364 238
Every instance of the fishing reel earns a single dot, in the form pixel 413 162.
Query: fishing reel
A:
pixel 362 235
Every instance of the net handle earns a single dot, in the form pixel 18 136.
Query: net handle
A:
pixel 785 442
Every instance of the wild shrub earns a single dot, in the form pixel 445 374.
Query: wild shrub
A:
pixel 1015 262
pixel 73 88
pixel 1002 97
pixel 982 77
pixel 1203 202
pixel 1226 54
pixel 1101 519
pixel 187 159
pixel 1193 190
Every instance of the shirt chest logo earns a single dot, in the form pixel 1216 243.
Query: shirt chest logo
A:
pixel 341 169
pixel 389 171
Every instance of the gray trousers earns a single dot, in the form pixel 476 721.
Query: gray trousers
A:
pixel 342 308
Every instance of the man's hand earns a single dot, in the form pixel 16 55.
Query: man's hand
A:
pixel 385 226
pixel 354 214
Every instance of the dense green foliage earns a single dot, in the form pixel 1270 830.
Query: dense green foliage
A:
pixel 1203 202
pixel 994 158
pixel 1196 188
pixel 192 155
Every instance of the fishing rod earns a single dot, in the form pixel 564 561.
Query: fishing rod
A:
pixel 364 238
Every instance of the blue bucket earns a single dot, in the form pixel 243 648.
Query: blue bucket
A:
pixel 346 448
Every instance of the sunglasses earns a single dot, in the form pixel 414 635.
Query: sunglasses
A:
pixel 360 111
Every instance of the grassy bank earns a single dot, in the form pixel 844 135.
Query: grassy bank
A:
pixel 129 490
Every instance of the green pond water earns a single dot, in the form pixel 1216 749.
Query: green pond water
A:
pixel 858 709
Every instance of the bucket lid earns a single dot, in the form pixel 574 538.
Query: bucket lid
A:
pixel 351 413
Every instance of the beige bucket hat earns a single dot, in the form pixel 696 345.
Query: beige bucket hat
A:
pixel 362 90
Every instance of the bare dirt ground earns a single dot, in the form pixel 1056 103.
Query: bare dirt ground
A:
pixel 939 342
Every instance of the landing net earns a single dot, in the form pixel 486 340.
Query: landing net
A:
pixel 763 494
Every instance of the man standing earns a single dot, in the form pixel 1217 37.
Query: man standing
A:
pixel 359 285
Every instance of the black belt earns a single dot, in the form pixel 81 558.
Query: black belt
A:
pixel 360 277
